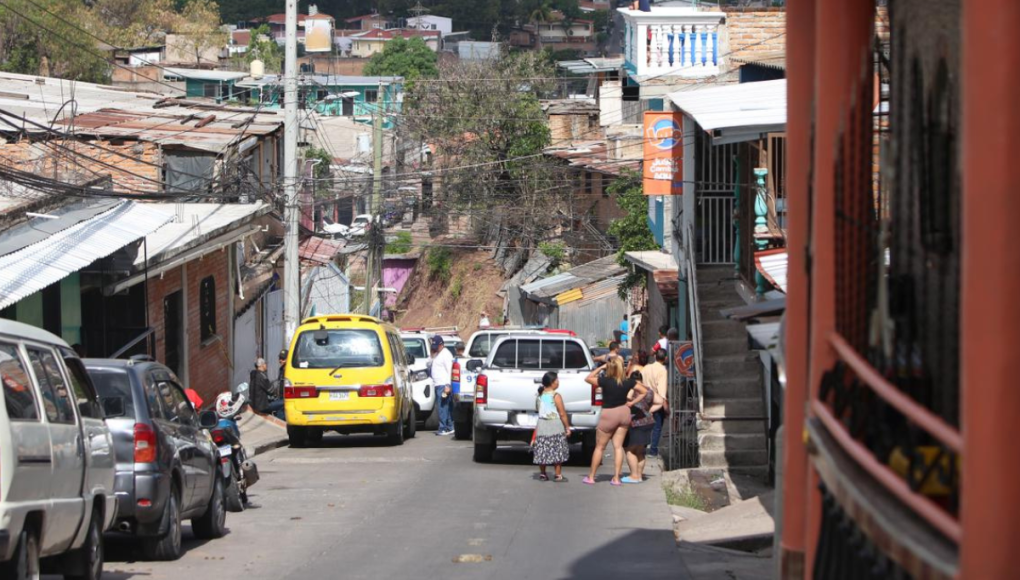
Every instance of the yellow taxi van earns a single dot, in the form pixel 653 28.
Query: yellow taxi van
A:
pixel 347 373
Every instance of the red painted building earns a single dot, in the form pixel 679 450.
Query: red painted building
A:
pixel 902 325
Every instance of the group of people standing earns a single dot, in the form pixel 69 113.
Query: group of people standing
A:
pixel 634 405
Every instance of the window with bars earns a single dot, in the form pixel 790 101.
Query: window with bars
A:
pixel 207 307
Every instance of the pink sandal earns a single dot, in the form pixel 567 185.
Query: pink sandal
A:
pixel 615 482
pixel 588 481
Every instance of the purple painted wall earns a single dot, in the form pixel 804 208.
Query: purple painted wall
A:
pixel 395 274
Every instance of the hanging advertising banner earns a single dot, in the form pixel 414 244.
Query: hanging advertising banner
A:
pixel 318 34
pixel 663 154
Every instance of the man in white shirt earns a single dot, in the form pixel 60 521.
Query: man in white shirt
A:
pixel 656 375
pixel 442 371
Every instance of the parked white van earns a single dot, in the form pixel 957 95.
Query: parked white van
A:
pixel 56 459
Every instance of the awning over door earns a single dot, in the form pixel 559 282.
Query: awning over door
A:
pixel 734 113
pixel 35 267
pixel 772 264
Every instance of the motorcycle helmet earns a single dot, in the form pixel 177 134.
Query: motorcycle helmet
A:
pixel 229 404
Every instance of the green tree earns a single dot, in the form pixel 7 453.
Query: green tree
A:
pixel 632 230
pixel 411 59
pixel 45 38
pixel 482 116
pixel 199 27
pixel 261 46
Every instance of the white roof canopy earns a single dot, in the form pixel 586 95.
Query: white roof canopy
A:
pixel 733 113
pixel 37 266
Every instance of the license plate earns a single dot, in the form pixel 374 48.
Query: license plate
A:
pixel 225 450
pixel 526 420
pixel 339 396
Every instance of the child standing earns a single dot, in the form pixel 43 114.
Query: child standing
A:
pixel 553 428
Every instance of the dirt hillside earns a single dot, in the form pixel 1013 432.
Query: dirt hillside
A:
pixel 472 286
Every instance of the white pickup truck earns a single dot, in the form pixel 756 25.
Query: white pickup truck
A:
pixel 463 380
pixel 506 387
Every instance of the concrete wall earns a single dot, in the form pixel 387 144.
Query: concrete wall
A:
pixel 395 274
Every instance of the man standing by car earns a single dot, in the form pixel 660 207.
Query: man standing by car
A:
pixel 655 378
pixel 262 391
pixel 442 370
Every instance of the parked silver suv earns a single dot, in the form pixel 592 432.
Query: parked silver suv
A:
pixel 56 459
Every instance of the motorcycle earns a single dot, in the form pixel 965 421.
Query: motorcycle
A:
pixel 238 471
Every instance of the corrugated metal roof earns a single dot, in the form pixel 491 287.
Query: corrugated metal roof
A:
pixel 759 106
pixel 169 129
pixel 193 224
pixel 652 260
pixel 320 250
pixel 771 59
pixel 773 265
pixel 206 75
pixel 37 229
pixel 39 265
pixel 578 277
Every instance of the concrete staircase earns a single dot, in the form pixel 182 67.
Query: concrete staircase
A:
pixel 731 431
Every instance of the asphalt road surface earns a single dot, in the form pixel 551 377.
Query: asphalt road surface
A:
pixel 356 508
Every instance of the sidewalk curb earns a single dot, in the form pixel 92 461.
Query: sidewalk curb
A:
pixel 276 443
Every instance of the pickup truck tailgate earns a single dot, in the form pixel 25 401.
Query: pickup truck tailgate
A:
pixel 515 390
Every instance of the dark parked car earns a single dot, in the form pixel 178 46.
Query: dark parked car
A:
pixel 166 462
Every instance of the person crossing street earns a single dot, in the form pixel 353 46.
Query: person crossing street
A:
pixel 442 371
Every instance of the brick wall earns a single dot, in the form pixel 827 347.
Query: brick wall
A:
pixel 131 170
pixel 754 31
pixel 209 365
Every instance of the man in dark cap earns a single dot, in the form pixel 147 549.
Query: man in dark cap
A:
pixel 442 371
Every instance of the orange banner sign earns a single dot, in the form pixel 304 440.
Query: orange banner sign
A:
pixel 663 154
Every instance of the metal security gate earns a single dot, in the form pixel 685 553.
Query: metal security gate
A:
pixel 679 445
pixel 246 344
pixel 714 175
pixel 274 330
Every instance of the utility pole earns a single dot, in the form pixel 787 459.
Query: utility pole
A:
pixel 375 235
pixel 291 271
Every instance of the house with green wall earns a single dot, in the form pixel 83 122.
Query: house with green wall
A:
pixel 219 85
pixel 331 95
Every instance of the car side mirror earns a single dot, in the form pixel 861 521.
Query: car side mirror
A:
pixel 112 407
pixel 208 419
pixel 475 365
pixel 410 359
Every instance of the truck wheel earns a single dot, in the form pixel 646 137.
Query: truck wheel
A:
pixel 314 437
pixel 432 422
pixel 25 563
pixel 588 446
pixel 166 547
pixel 395 433
pixel 87 561
pixel 462 430
pixel 412 424
pixel 484 451
pixel 213 523
pixel 297 436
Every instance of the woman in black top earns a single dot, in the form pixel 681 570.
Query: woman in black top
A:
pixel 614 420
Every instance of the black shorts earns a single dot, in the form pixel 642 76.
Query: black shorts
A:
pixel 639 436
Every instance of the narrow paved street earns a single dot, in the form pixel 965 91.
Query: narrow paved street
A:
pixel 358 509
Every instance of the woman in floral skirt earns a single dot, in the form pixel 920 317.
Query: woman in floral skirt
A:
pixel 553 428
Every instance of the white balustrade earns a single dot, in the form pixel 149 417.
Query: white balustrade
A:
pixel 672 41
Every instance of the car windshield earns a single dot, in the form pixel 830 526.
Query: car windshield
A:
pixel 360 220
pixel 112 383
pixel 338 348
pixel 415 347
